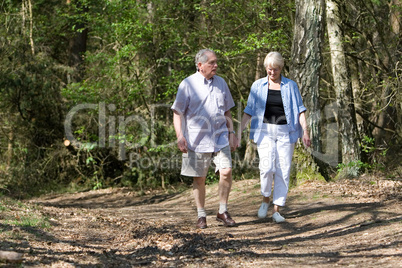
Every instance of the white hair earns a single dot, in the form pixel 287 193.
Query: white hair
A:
pixel 274 59
pixel 201 56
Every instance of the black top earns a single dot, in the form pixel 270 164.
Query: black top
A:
pixel 274 112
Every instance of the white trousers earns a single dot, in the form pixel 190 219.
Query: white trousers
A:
pixel 275 152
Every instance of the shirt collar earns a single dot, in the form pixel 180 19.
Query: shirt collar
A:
pixel 266 80
pixel 206 81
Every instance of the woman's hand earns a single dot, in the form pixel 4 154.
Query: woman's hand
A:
pixel 238 139
pixel 306 139
pixel 303 123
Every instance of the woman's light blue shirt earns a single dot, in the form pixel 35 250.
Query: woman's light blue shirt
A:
pixel 292 104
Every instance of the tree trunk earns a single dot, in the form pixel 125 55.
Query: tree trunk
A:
pixel 251 148
pixel 384 35
pixel 26 10
pixel 396 23
pixel 305 68
pixel 11 256
pixel 306 60
pixel 347 126
pixel 9 150
pixel 77 48
pixel 395 18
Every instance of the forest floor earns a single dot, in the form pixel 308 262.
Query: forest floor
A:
pixel 355 223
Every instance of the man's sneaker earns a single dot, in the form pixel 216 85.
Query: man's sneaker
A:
pixel 263 210
pixel 277 217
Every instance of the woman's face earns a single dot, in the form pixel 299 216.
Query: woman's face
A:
pixel 274 73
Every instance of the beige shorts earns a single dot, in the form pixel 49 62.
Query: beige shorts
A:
pixel 197 164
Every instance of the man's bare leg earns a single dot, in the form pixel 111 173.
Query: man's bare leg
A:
pixel 225 184
pixel 199 196
pixel 199 191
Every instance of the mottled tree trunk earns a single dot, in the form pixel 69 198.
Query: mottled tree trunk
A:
pixel 347 126
pixel 251 148
pixel 306 60
pixel 9 150
pixel 395 18
pixel 26 10
pixel 306 63
pixel 384 35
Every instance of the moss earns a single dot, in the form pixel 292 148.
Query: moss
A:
pixel 303 168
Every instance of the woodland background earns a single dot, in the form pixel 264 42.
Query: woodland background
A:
pixel 86 85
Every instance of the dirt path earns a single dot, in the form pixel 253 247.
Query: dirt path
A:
pixel 350 223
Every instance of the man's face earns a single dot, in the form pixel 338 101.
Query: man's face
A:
pixel 208 69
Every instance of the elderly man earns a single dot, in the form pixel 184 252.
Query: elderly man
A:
pixel 204 130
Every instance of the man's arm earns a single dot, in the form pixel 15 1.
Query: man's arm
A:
pixel 233 142
pixel 177 123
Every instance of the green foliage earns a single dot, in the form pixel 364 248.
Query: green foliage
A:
pixel 359 165
pixel 376 157
pixel 16 213
pixel 137 53
pixel 142 52
pixel 212 177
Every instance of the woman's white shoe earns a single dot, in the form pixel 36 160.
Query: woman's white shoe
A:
pixel 263 210
pixel 277 217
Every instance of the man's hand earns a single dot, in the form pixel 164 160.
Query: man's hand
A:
pixel 182 144
pixel 233 142
pixel 177 122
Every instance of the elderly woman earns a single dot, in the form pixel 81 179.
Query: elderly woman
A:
pixel 278 119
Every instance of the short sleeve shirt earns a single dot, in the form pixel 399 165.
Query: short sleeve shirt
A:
pixel 292 104
pixel 203 104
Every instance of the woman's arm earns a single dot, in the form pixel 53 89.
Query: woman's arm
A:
pixel 303 123
pixel 244 121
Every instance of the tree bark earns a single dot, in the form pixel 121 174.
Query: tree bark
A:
pixel 11 256
pixel 27 15
pixel 347 126
pixel 385 35
pixel 395 18
pixel 10 149
pixel 251 149
pixel 306 60
pixel 77 48
pixel 306 64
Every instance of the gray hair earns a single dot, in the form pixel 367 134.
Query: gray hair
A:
pixel 202 57
pixel 274 59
